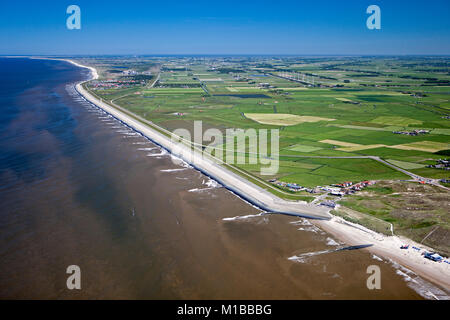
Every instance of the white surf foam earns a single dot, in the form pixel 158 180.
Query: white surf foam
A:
pixel 301 222
pixel 128 133
pixel 178 161
pixel 303 257
pixel 307 226
pixel 172 170
pixel 210 183
pixel 244 217
pixel 421 286
pixel 376 257
pixel 162 153
pixel 332 242
pixel 147 149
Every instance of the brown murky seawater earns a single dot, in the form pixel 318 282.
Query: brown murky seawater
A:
pixel 140 226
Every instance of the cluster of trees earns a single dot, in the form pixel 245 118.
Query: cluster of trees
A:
pixel 228 70
pixel 138 77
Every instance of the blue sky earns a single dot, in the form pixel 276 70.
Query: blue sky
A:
pixel 225 27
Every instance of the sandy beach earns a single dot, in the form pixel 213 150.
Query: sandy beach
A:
pixel 93 70
pixel 387 247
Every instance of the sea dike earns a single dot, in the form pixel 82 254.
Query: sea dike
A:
pixel 233 182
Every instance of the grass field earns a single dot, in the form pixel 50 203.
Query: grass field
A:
pixel 319 172
pixel 396 121
pixel 412 215
pixel 426 146
pixel 303 148
pixel 283 119
pixel 406 165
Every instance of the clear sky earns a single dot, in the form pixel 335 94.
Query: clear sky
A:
pixel 225 27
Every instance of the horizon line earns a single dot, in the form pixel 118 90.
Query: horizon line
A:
pixel 228 54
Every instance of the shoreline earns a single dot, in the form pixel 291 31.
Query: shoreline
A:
pixel 238 185
pixel 387 247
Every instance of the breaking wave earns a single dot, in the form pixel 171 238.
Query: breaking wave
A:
pixel 376 257
pixel 304 256
pixel 422 287
pixel 172 170
pixel 332 242
pixel 162 153
pixel 210 184
pixel 244 217
pixel 147 149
